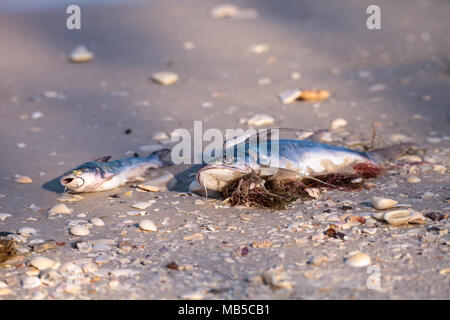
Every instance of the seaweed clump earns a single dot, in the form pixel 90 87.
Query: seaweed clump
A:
pixel 253 191
pixel 8 250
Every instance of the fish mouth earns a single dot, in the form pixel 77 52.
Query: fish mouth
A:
pixel 72 182
pixel 218 176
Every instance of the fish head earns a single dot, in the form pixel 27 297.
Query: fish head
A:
pixel 216 177
pixel 81 179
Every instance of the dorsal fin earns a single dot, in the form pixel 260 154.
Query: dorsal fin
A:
pixel 103 159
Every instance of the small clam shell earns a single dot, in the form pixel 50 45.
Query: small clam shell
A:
pixel 398 217
pixel 22 179
pixel 382 203
pixel 358 260
pixel 60 208
pixel 79 230
pixel 143 205
pixel 42 263
pixel 148 225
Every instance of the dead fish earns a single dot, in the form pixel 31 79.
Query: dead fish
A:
pixel 295 160
pixel 102 174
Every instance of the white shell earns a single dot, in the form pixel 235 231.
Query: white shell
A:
pixel 25 231
pixel 60 208
pixel 382 203
pixel 413 179
pixel 42 263
pixel 22 179
pixel 80 54
pixel 290 96
pixel 79 230
pixel 97 222
pixel 165 78
pixel 147 225
pixel 338 123
pixel 260 120
pixel 4 216
pixel 31 282
pixel 143 205
pixel 398 217
pixel 358 260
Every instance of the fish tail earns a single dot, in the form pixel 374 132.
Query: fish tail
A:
pixel 158 156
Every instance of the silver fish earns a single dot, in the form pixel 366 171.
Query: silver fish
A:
pixel 295 159
pixel 102 174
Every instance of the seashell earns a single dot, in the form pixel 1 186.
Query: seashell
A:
pixel 398 217
pixel 79 230
pixel 147 225
pixel 143 205
pixel 413 179
pixel 316 95
pixel 260 120
pixel 164 78
pixel 22 179
pixel 42 263
pixel 26 231
pixel 4 216
pixel 31 282
pixel 195 236
pixel 70 268
pixel 262 244
pixel 358 260
pixel 439 169
pixel 160 136
pixel 60 208
pixel 97 222
pixel 417 218
pixel 80 54
pixel 382 203
pixel 289 96
pixel 259 48
pixel 224 11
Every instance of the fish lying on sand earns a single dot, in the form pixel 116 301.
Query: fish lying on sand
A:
pixel 297 165
pixel 102 174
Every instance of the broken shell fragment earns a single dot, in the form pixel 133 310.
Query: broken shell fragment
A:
pixel 195 236
pixel 260 120
pixel 290 96
pixel 60 208
pixel 164 78
pixel 4 216
pixel 314 95
pixel 80 54
pixel 70 198
pixel 382 203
